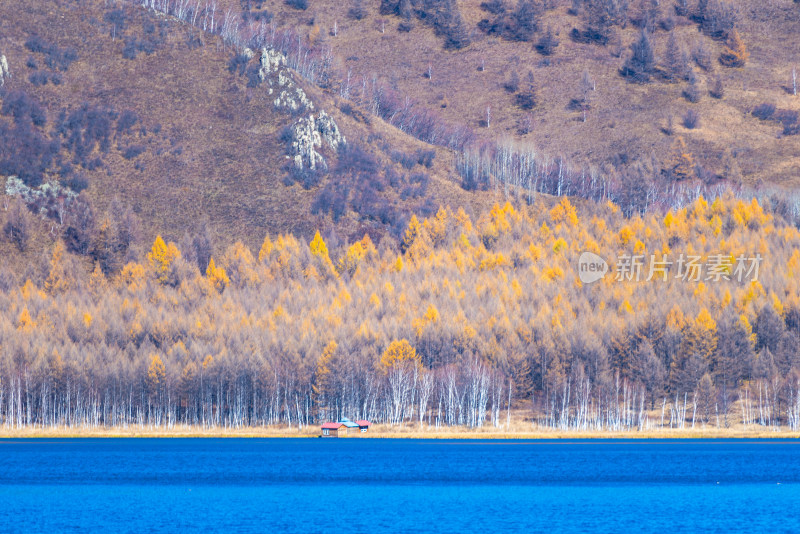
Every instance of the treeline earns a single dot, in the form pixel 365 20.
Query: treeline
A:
pixel 519 171
pixel 464 319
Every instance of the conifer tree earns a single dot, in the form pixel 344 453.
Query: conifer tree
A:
pixel 162 257
pixel 216 276
pixel 680 165
pixel 639 66
pixel 735 53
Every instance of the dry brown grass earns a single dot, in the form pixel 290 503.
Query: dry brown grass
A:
pixel 626 118
pixel 396 432
pixel 521 427
pixel 217 158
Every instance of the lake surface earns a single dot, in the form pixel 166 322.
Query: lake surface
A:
pixel 384 485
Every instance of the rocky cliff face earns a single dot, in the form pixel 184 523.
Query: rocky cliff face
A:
pixel 291 98
pixel 309 134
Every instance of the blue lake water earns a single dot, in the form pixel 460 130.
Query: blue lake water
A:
pixel 377 485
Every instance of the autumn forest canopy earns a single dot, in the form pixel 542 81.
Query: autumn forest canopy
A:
pixel 466 318
pixel 237 213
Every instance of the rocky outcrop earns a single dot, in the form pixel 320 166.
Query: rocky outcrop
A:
pixel 4 72
pixel 294 100
pixel 329 131
pixel 271 62
pixel 309 134
pixel 49 199
pixel 277 75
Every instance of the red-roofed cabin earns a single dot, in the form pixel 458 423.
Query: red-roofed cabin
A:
pixel 331 430
pixel 363 425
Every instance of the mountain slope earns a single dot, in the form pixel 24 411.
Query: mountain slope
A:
pixel 157 114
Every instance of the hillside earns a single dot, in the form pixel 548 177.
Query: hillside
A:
pixel 143 111
pixel 165 167
pixel 625 121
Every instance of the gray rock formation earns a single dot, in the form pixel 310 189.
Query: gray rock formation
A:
pixel 309 134
pixel 4 72
pixel 271 62
pixel 274 71
pixel 48 198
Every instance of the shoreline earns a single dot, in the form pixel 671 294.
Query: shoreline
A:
pixel 396 433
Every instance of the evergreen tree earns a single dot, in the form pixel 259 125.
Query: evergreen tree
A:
pixel 639 66
pixel 735 53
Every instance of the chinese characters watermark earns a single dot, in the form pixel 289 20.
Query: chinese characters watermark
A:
pixel 684 267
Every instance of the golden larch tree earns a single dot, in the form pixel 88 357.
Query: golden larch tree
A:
pixel 216 276
pixel 735 53
pixel 161 257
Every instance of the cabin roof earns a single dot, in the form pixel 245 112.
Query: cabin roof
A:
pixel 363 422
pixel 348 423
pixel 332 426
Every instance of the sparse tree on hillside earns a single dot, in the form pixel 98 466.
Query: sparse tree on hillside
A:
pixel 648 15
pixel 203 246
pixel 548 43
pixel 691 119
pixel 718 89
pixel 692 92
pixel 680 164
pixel 18 225
pixel 512 84
pixel 524 20
pixel 639 66
pixel 600 16
pixel 735 53
pixel 675 60
pixel 357 10
pixel 702 56
pixel 526 99
pixel 717 18
pixel 586 87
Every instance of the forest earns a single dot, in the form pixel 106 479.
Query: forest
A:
pixel 469 317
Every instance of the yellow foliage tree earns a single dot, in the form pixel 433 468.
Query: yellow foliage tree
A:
pixel 156 374
pixel 97 281
pixel 323 372
pixel 320 250
pixel 564 212
pixel 412 233
pixel 217 276
pixel 355 254
pixel 240 265
pixel 161 257
pixel 318 247
pixel 701 336
pixel 399 353
pixel 132 276
pixel 735 53
pixel 57 280
pixel 266 249
pixel 24 321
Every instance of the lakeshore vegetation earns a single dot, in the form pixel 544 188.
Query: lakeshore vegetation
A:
pixel 468 318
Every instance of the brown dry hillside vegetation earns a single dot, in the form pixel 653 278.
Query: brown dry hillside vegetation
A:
pixel 625 121
pixel 151 112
